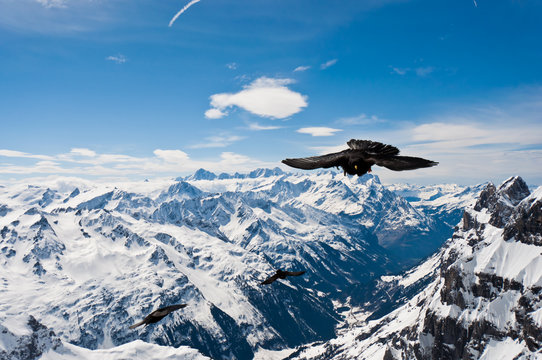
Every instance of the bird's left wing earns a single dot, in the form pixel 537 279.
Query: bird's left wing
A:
pixel 315 162
pixel 137 324
pixel 400 163
pixel 269 280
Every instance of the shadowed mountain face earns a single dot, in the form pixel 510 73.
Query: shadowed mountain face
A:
pixel 481 296
pixel 206 241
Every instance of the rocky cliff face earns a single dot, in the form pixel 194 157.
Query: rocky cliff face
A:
pixel 485 297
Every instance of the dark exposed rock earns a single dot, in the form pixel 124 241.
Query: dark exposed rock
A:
pixel 31 346
pixel 4 210
pixel 487 198
pixel 526 227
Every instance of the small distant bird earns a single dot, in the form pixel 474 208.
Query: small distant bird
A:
pixel 158 315
pixel 281 275
pixel 360 157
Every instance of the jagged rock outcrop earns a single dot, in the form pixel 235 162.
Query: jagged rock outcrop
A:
pixel 35 340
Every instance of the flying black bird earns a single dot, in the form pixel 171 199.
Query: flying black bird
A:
pixel 158 315
pixel 360 157
pixel 281 275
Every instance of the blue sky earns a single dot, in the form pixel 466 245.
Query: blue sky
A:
pixel 107 89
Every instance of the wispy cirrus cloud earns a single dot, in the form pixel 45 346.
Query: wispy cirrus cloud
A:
pixel 424 70
pixel 258 127
pixel 328 64
pixel 421 71
pixel 232 66
pixel 318 131
pixel 117 59
pixel 301 68
pixel 182 11
pixel 399 71
pixel 265 97
pixel 20 154
pixel 361 119
pixel 217 141
pixel 52 3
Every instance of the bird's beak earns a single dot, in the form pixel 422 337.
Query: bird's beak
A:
pixel 355 167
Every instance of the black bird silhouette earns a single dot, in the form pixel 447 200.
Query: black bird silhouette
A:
pixel 360 157
pixel 281 275
pixel 158 315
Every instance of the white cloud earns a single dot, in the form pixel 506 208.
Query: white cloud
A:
pixel 215 113
pixel 164 162
pixel 53 3
pixel 266 97
pixel 83 152
pixel 258 127
pixel 20 154
pixel 318 131
pixel 328 63
pixel 118 59
pixel 301 68
pixel 182 10
pixel 171 156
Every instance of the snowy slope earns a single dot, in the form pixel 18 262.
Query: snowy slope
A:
pixel 485 297
pixel 24 338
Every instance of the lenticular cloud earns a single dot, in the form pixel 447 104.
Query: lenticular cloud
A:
pixel 266 97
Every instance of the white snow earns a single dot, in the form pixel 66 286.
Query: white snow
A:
pixel 502 350
pixel 134 350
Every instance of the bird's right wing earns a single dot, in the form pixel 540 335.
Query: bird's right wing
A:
pixel 174 307
pixel 400 163
pixel 294 273
pixel 269 280
pixel 315 162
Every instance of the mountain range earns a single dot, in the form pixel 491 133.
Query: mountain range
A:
pixel 84 260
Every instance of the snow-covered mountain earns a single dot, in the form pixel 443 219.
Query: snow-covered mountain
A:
pixel 29 339
pixel 482 293
pixel 87 260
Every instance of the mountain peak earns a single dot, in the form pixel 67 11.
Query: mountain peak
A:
pixel 265 172
pixel 514 189
pixel 202 174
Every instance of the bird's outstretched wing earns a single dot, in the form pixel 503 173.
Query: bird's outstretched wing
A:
pixel 168 309
pixel 400 163
pixel 270 280
pixel 294 273
pixel 373 147
pixel 137 324
pixel 315 162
